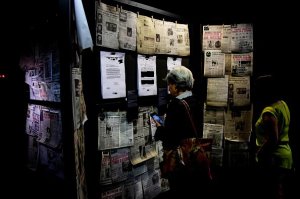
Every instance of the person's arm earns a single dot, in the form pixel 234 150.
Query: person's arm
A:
pixel 159 133
pixel 271 133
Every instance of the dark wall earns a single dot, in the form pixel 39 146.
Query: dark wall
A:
pixel 275 42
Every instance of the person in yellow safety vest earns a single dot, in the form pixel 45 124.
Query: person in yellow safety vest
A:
pixel 273 152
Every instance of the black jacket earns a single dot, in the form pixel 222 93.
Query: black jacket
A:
pixel 177 124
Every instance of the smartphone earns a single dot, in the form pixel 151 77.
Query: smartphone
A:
pixel 157 118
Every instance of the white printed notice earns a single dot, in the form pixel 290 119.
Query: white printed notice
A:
pixel 112 67
pixel 147 75
pixel 173 62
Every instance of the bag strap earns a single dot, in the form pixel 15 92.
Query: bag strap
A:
pixel 188 111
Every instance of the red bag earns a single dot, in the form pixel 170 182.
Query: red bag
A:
pixel 171 162
pixel 196 156
pixel 192 155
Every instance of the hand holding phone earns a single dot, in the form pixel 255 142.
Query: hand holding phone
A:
pixel 157 118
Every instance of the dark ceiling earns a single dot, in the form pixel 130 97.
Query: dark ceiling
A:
pixel 224 11
pixel 206 10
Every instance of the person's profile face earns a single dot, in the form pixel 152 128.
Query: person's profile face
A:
pixel 172 89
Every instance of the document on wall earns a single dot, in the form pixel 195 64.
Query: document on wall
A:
pixel 126 130
pixel 105 168
pixel 50 128
pixel 242 64
pixel 42 74
pixel 147 79
pixel 212 37
pixel 239 91
pixel 171 37
pixel 238 124
pixel 44 124
pixel 183 39
pixel 40 90
pixel 127 31
pixel 138 188
pixel 217 91
pixel 137 151
pixel 120 165
pixel 113 191
pixel 213 115
pixel 142 149
pixel 108 130
pixel 160 37
pixel 111 130
pixel 215 132
pixel 40 82
pixel 112 68
pixel 33 120
pixel 128 190
pixel 79 112
pixel 107 26
pixel 214 63
pixel 83 31
pixel 151 184
pixel 139 169
pixel 227 63
pixel 242 38
pixel 79 108
pixel 173 62
pixel 226 39
pixel 145 35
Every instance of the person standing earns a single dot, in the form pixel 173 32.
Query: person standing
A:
pixel 273 154
pixel 177 126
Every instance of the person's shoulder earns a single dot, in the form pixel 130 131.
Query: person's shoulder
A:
pixel 268 112
pixel 175 101
pixel 192 100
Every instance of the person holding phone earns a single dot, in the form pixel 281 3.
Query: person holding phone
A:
pixel 177 127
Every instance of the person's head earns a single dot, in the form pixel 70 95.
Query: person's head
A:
pixel 266 89
pixel 179 79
